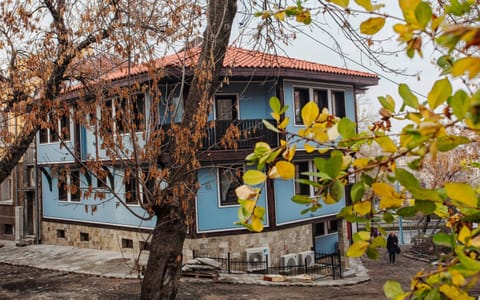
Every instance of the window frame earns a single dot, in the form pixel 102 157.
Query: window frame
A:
pixel 236 105
pixel 298 186
pixel 9 184
pixel 111 109
pixel 332 107
pixel 132 181
pixel 228 202
pixel 327 227
pixel 50 133
pixel 77 197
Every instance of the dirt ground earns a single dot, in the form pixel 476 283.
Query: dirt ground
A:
pixel 17 282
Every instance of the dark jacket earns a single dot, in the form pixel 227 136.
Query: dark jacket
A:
pixel 392 243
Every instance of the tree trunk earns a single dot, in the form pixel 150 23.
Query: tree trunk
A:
pixel 165 260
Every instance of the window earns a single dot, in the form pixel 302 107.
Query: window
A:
pixel 136 191
pixel 60 233
pixel 325 228
pixel 115 110
pixel 8 229
pixel 333 100
pixel 229 178
pixel 59 125
pixel 127 243
pixel 69 186
pixel 226 107
pixel 302 167
pixel 84 237
pixel 105 179
pixel 6 190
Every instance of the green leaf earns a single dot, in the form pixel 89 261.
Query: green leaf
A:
pixel 275 104
pixel 392 289
pixel 459 104
pixel 254 177
pixel 388 217
pixel 387 102
pixel 379 242
pixel 372 253
pixel 302 199
pixel 333 165
pixel 425 206
pixel 406 179
pixel 357 191
pixel 408 211
pixel 336 190
pixel 372 25
pixel 346 128
pixel 448 142
pixel 423 14
pixel 441 90
pixel 409 99
pixel 270 126
pixel 443 239
pixel 341 3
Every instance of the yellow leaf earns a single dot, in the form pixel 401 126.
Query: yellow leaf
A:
pixel 254 177
pixel 466 64
pixel 285 169
pixel 276 116
pixel 364 235
pixel 361 163
pixel 333 133
pixel 389 198
pixel 457 278
pixel 246 192
pixel 386 144
pixel 248 205
pixel 280 16
pixel 452 292
pixel 464 235
pixel 342 3
pixel 372 25
pixel 357 249
pixel 309 113
pixel 475 242
pixel 257 224
pixel 463 193
pixel 309 148
pixel 362 208
pixel 284 123
pixel 289 153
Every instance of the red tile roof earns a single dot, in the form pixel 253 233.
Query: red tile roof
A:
pixel 241 58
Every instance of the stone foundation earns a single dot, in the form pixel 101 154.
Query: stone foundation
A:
pixel 280 242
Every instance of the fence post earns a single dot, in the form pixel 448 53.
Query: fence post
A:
pixel 194 253
pixel 228 263
pixel 305 263
pixel 339 262
pixel 332 258
pixel 266 263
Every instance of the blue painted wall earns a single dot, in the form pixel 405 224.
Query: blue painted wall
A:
pixel 108 211
pixel 210 215
pixel 288 211
pixel 326 243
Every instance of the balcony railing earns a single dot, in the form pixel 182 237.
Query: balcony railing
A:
pixel 247 132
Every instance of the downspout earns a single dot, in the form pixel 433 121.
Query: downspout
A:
pixel 37 206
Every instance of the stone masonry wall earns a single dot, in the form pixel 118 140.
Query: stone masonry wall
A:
pixel 280 242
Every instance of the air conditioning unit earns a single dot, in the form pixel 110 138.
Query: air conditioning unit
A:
pixel 289 260
pixel 306 258
pixel 257 258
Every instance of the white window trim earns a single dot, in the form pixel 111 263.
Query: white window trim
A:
pixel 311 88
pixel 237 105
pixel 59 130
pixel 114 112
pixel 69 193
pixel 219 188
pixel 310 169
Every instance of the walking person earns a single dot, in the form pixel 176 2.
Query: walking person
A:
pixel 392 247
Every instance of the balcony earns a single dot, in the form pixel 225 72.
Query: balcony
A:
pixel 248 133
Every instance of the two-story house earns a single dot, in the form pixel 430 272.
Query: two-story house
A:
pixel 243 100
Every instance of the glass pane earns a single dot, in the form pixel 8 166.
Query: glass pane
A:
pixel 321 98
pixel 301 189
pixel 65 127
pixel 230 179
pixel 226 108
pixel 300 98
pixel 339 103
pixel 75 193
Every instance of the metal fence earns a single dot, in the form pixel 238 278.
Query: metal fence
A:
pixel 325 265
